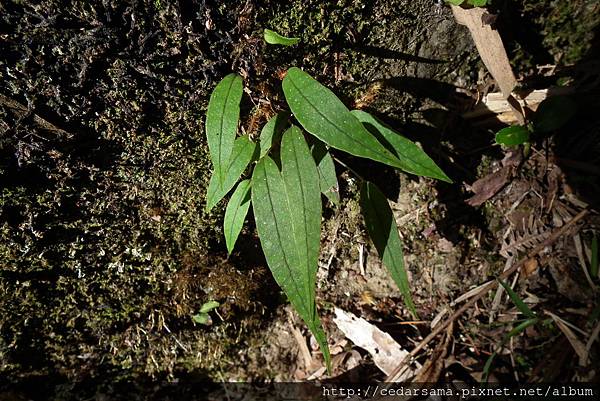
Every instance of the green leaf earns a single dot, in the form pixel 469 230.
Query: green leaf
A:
pixel 518 301
pixel 521 327
pixel 517 330
pixel 512 136
pixel 412 158
pixel 235 214
pixel 287 209
pixel 594 261
pixel 455 2
pixel 272 131
pixel 221 122
pixel 244 150
pixel 383 231
pixel 327 178
pixel 273 38
pixel 201 318
pixel 478 3
pixel 553 113
pixel 208 306
pixel 323 115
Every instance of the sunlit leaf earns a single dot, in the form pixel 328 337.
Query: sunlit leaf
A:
pixel 512 136
pixel 323 115
pixel 553 113
pixel 273 38
pixel 201 318
pixel 244 150
pixel 235 214
pixel 383 231
pixel 221 122
pixel 287 209
pixel 412 158
pixel 478 3
pixel 272 131
pixel 327 177
pixel 208 306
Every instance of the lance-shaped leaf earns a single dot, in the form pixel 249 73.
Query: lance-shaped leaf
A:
pixel 273 38
pixel 325 116
pixel 412 158
pixel 243 152
pixel 272 131
pixel 221 122
pixel 287 209
pixel 327 178
pixel 383 231
pixel 236 212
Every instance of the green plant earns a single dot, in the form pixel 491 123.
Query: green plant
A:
pixel 286 182
pixel 273 38
pixel 552 114
pixel 202 316
pixel 531 319
pixel 474 3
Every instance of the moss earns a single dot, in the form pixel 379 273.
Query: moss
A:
pixel 539 33
pixel 105 246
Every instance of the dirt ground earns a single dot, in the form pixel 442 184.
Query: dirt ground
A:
pixel 106 251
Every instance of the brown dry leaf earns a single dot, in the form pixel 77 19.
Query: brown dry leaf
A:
pixel 306 355
pixel 489 45
pixel 381 346
pixel 529 267
pixel 577 345
pixel 488 186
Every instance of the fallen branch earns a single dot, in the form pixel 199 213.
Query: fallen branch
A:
pixel 21 111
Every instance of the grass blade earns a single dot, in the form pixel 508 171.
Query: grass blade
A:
pixel 235 214
pixel 522 306
pixel 516 331
pixel 287 209
pixel 383 231
pixel 221 122
pixel 323 115
pixel 412 158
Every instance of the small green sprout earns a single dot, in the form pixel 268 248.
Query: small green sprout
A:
pixel 552 114
pixel 273 38
pixel 202 317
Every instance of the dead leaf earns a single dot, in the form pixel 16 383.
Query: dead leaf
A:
pixel 529 267
pixel 488 186
pixel 381 346
pixel 306 355
pixel 485 188
pixel 489 45
pixel 577 345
